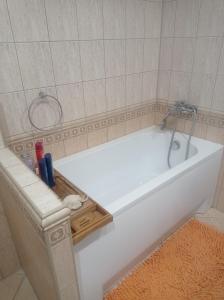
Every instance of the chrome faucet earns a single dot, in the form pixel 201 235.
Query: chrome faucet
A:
pixel 179 107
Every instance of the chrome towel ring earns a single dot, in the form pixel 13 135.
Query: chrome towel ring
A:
pixel 43 99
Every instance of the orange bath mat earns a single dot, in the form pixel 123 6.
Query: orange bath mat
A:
pixel 189 266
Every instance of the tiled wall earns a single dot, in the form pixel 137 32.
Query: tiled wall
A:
pixel 191 66
pixel 94 55
pixel 192 53
pixel 9 262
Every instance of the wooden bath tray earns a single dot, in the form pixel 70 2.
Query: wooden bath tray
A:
pixel 89 217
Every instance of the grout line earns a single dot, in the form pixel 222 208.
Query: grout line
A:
pixel 74 83
pixel 143 54
pixel 109 39
pixel 90 40
pixel 160 43
pixel 52 66
pixel 195 39
pixel 104 58
pixel 125 66
pixel 109 77
pixel 172 57
pixel 81 69
pixel 19 287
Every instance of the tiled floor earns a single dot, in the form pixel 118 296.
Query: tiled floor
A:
pixel 212 217
pixel 16 287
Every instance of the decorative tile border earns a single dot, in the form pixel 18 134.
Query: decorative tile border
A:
pixel 106 120
pixel 58 233
pixel 80 128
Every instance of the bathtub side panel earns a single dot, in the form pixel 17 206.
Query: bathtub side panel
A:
pixel 106 252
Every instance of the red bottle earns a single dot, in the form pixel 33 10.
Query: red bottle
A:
pixel 39 151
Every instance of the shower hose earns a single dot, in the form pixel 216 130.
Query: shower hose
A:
pixel 188 141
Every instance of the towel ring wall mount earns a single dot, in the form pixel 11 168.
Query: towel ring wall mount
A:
pixel 44 98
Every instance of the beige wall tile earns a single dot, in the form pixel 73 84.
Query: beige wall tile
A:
pixel 9 262
pixel 133 125
pixel 215 134
pixel 75 144
pixel 114 19
pixel 183 54
pixel 64 26
pixel 134 55
pixel 97 137
pixel 115 92
pixel 72 101
pixel 12 124
pixel 35 64
pixel 134 88
pixel 158 118
pixel 211 20
pixel 151 54
pixel 10 79
pixel 147 120
pixel 114 57
pixel 179 86
pixel 90 19
pixel 28 20
pixel 163 85
pixel 201 90
pixel 180 125
pixel 199 131
pixel 153 12
pixel 94 97
pixel 66 62
pixel 57 150
pixel 135 18
pixel 218 104
pixel 5 28
pixel 116 131
pixel 207 54
pixel 186 17
pixel 166 54
pixel 149 86
pixel 168 18
pixel 92 60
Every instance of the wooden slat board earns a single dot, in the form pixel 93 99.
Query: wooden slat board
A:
pixel 87 218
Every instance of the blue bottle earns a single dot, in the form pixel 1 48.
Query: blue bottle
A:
pixel 43 170
pixel 50 172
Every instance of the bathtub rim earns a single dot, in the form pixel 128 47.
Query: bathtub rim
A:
pixel 155 184
pixel 86 152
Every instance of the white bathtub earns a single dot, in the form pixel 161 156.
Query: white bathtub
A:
pixel 130 178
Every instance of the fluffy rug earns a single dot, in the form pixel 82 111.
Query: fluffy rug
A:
pixel 189 266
